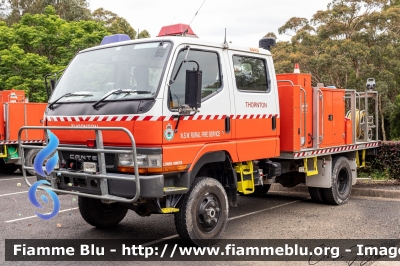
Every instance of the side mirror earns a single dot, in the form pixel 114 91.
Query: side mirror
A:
pixel 193 87
pixel 52 84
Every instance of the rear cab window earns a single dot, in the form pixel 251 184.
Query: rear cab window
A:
pixel 251 74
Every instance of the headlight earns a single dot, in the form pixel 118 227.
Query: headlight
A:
pixel 125 159
pixel 57 166
pixel 143 160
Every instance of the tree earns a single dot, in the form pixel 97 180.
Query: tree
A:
pixel 394 120
pixel 113 23
pixel 121 25
pixel 344 45
pixel 144 34
pixel 69 10
pixel 24 71
pixel 41 44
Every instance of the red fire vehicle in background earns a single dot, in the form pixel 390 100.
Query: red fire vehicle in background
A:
pixel 15 112
pixel 176 124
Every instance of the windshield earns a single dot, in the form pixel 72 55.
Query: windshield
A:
pixel 136 68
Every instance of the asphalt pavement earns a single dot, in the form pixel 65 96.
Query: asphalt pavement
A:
pixel 278 215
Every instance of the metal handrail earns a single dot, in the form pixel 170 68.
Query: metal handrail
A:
pixel 305 117
pixel 322 124
pixel 102 166
pixel 291 82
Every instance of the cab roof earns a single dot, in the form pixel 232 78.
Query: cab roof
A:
pixel 178 40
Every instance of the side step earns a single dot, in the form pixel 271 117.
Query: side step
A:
pixel 246 182
pixel 175 190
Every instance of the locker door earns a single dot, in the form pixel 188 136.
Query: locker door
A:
pixel 338 117
pixel 327 118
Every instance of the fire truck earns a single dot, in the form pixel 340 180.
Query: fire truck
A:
pixel 179 125
pixel 16 111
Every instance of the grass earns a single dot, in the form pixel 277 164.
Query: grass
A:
pixel 374 174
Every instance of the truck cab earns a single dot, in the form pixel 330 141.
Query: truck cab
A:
pixel 145 87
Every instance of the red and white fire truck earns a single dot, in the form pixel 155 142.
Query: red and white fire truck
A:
pixel 176 124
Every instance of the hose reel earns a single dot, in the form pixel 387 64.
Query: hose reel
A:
pixel 361 123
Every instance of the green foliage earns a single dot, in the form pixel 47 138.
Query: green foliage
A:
pixel 38 37
pixel 24 71
pixel 144 34
pixel 350 41
pixel 394 120
pixel 114 23
pixel 368 172
pixel 47 36
pixel 41 44
pixel 387 160
pixel 69 10
pixel 270 34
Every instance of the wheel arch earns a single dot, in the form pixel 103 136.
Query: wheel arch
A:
pixel 217 165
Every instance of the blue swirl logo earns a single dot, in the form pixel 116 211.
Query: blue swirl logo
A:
pixel 46 152
pixel 50 165
pixel 36 203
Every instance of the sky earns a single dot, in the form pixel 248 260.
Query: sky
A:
pixel 246 21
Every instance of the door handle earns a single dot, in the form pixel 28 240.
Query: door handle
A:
pixel 227 124
pixel 273 122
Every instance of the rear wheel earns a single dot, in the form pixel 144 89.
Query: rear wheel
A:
pixel 341 181
pixel 29 159
pixel 203 212
pixel 99 214
pixel 317 194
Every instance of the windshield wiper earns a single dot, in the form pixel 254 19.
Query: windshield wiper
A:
pixel 69 94
pixel 119 91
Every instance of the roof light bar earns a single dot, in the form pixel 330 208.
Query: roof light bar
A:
pixel 176 30
pixel 114 38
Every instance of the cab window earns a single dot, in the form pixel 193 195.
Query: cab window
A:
pixel 250 74
pixel 211 81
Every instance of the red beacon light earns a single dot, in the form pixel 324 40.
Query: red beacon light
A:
pixel 177 30
pixel 91 143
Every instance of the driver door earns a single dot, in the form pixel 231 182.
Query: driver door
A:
pixel 210 126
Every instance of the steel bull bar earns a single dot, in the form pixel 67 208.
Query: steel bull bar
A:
pixel 102 174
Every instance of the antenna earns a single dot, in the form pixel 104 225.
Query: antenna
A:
pixel 225 44
pixel 193 18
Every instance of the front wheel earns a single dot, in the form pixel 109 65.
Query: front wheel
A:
pixel 99 214
pixel 203 212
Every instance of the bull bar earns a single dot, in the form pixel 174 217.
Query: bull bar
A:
pixel 101 162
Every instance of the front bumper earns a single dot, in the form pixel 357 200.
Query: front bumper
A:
pixel 151 186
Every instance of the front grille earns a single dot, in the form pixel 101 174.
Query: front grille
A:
pixel 110 157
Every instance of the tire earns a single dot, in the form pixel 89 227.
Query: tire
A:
pixel 317 194
pixel 9 168
pixel 259 191
pixel 29 159
pixel 203 212
pixel 99 214
pixel 340 190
